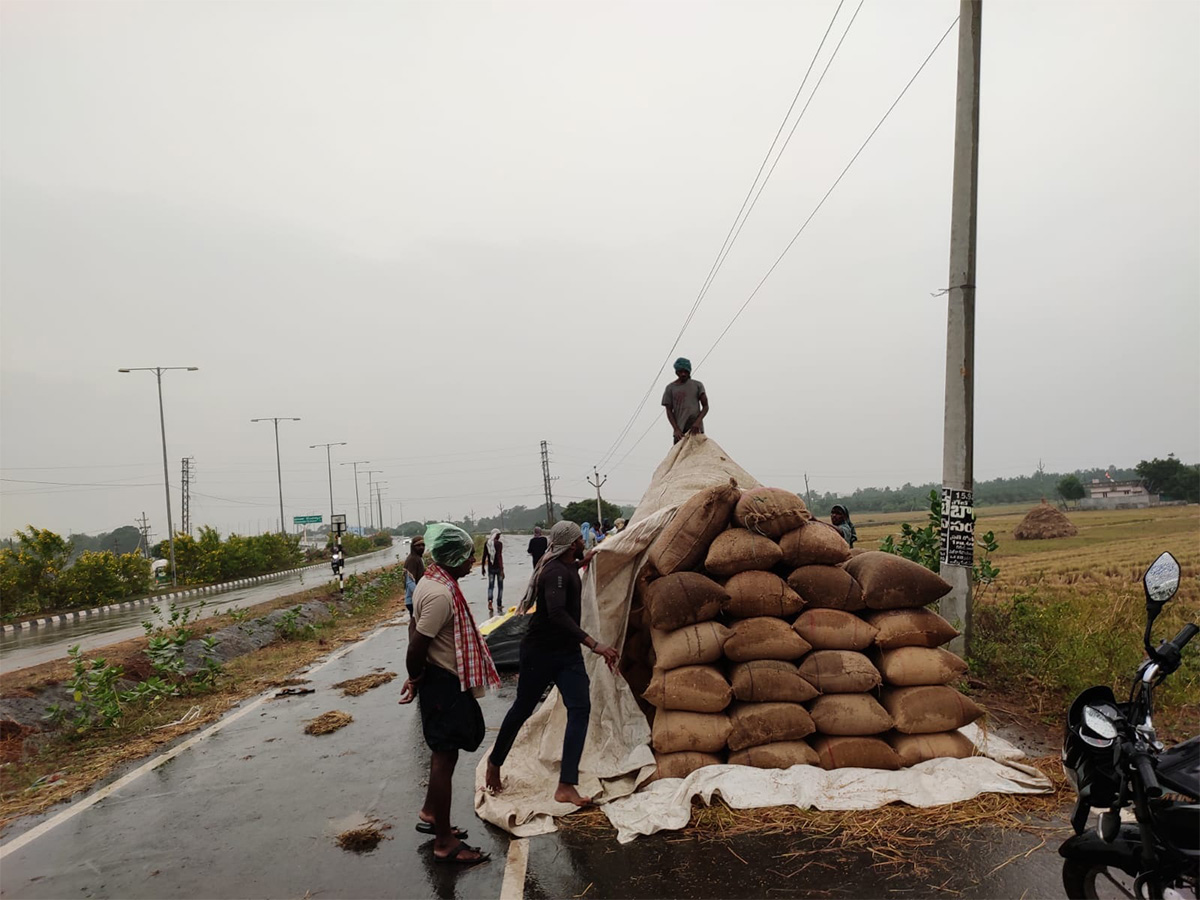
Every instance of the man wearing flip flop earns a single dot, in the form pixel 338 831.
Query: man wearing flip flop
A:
pixel 550 655
pixel 449 666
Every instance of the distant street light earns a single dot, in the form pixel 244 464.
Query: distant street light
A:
pixel 278 466
pixel 162 423
pixel 356 464
pixel 329 466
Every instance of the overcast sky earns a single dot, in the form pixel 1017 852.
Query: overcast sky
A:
pixel 445 231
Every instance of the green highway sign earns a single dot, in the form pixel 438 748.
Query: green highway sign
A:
pixel 306 520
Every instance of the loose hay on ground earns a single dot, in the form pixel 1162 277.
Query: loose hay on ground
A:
pixel 328 721
pixel 352 687
pixel 364 838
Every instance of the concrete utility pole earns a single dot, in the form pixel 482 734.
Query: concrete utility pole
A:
pixel 144 528
pixel 597 484
pixel 500 506
pixel 162 422
pixel 958 443
pixel 278 464
pixel 329 468
pixel 546 479
pixel 379 500
pixel 370 509
pixel 357 503
pixel 185 486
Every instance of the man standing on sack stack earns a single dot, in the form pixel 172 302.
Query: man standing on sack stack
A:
pixel 686 401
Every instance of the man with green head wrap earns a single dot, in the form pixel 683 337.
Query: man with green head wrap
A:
pixel 686 401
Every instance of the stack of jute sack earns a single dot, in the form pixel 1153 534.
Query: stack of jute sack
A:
pixel 757 637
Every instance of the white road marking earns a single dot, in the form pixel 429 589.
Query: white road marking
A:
pixel 513 887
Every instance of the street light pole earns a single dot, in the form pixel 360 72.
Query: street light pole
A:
pixel 357 502
pixel 162 424
pixel 329 466
pixel 278 465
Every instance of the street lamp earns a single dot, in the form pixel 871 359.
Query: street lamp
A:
pixel 329 466
pixel 162 423
pixel 356 464
pixel 278 467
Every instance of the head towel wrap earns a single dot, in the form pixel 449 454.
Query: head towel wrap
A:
pixel 448 544
pixel 683 363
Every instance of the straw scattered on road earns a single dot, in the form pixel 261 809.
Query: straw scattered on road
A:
pixel 328 721
pixel 352 687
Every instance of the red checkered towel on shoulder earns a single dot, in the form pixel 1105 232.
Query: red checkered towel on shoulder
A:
pixel 475 667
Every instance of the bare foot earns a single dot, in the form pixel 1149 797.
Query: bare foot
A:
pixel 492 779
pixel 566 793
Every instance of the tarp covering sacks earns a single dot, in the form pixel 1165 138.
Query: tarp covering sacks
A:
pixel 618 756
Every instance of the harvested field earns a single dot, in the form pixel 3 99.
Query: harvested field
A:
pixel 352 687
pixel 328 722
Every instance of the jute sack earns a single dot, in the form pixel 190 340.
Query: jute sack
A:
pixel 692 688
pixel 839 672
pixel 917 748
pixel 682 764
pixel 832 629
pixel 684 542
pixel 907 666
pixel 740 550
pixel 691 645
pixel 929 709
pixel 674 731
pixel 814 544
pixel 751 724
pixel 770 511
pixel 855 752
pixel 893 582
pixel 764 680
pixel 764 638
pixel 684 598
pixel 827 587
pixel 849 714
pixel 750 594
pixel 911 628
pixel 776 755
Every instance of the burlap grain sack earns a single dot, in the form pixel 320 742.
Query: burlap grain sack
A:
pixel 911 628
pixel 691 645
pixel 893 582
pixel 770 511
pixel 764 680
pixel 751 594
pixel 917 748
pixel 776 755
pixel 839 672
pixel 832 629
pixel 682 764
pixel 691 688
pixel 929 709
pixel 764 638
pixel 741 550
pixel 814 544
pixel 908 666
pixel 855 752
pixel 751 724
pixel 675 731
pixel 849 714
pixel 827 587
pixel 683 598
pixel 683 544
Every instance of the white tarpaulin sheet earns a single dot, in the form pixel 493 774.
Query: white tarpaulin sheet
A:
pixel 617 756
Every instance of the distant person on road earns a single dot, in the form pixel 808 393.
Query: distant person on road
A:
pixel 449 666
pixel 589 536
pixel 686 401
pixel 414 568
pixel 493 569
pixel 550 655
pixel 840 517
pixel 537 545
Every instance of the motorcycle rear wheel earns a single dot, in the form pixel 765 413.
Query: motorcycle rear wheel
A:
pixel 1083 880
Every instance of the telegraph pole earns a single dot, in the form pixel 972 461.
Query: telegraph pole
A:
pixel 186 485
pixel 357 502
pixel 329 467
pixel 144 528
pixel 370 508
pixel 958 442
pixel 546 483
pixel 597 484
pixel 500 506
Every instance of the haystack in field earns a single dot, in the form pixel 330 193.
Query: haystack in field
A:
pixel 1044 521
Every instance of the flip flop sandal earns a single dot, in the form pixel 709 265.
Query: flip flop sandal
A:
pixel 427 828
pixel 452 858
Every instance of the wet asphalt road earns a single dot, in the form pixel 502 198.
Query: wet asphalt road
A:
pixel 48 642
pixel 253 810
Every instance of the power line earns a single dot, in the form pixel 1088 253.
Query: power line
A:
pixel 836 182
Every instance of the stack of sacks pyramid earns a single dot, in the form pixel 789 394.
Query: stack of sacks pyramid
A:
pixel 757 639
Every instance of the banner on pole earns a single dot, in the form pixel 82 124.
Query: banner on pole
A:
pixel 958 528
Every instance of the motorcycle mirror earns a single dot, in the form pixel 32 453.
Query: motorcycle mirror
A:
pixel 1161 581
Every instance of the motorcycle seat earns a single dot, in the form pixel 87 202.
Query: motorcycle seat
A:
pixel 1178 769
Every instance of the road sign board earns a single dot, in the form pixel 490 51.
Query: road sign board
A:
pixel 307 520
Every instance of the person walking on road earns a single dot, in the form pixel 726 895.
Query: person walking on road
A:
pixel 550 654
pixel 537 545
pixel 493 570
pixel 686 401
pixel 414 568
pixel 449 667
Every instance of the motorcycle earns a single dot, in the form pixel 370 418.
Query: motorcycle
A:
pixel 1115 762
